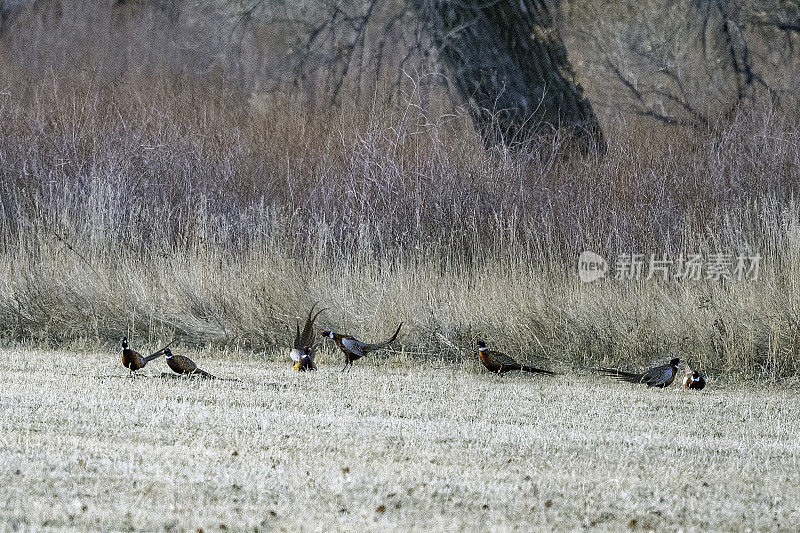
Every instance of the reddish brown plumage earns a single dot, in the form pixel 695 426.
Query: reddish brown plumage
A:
pixel 133 360
pixel 502 363
pixel 349 355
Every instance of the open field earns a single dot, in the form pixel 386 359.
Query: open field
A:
pixel 166 174
pixel 388 446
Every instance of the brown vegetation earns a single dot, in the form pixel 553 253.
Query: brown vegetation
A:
pixel 150 206
pixel 146 190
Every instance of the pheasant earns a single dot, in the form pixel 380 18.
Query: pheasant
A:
pixel 355 349
pixel 660 376
pixel 693 379
pixel 305 340
pixel 502 363
pixel 304 359
pixel 133 360
pixel 180 364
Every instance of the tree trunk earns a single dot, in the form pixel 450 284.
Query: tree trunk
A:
pixel 509 64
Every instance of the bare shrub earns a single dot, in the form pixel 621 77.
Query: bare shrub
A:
pixel 151 206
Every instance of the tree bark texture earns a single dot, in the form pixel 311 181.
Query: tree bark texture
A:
pixel 508 63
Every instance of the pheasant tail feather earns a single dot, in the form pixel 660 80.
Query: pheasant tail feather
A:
pixel 621 375
pixel 388 341
pixel 534 370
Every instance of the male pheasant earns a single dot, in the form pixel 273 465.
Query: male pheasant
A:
pixel 180 364
pixel 303 341
pixel 693 379
pixel 305 359
pixel 355 349
pixel 133 360
pixel 502 363
pixel 660 376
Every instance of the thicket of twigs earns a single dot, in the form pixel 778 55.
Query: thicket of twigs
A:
pixel 153 207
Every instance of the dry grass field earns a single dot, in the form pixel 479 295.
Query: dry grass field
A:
pixel 389 446
pixel 150 187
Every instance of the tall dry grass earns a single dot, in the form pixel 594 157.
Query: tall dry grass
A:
pixel 151 206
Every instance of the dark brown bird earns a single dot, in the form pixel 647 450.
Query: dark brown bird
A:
pixel 355 349
pixel 133 360
pixel 305 340
pixel 660 376
pixel 180 364
pixel 693 379
pixel 502 363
